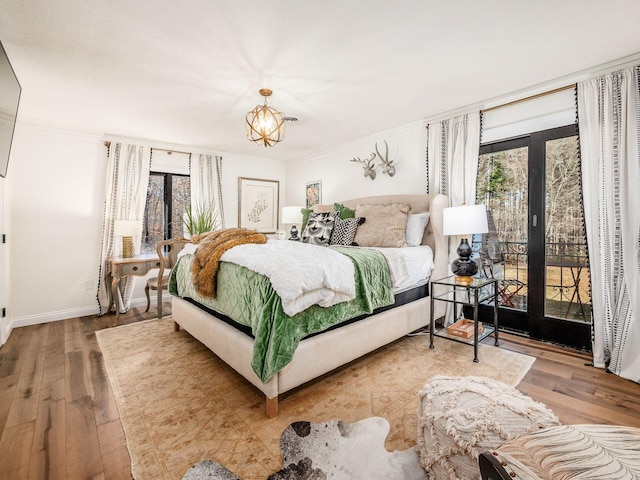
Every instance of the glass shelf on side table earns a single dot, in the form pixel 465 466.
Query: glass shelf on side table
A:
pixel 469 293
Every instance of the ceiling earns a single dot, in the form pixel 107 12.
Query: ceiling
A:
pixel 187 72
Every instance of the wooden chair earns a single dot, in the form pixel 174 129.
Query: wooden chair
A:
pixel 169 250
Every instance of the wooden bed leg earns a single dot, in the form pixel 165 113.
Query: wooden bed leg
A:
pixel 176 326
pixel 271 406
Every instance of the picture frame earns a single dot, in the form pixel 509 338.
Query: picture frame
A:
pixel 258 204
pixel 313 193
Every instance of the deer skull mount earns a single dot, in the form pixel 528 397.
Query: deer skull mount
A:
pixel 369 166
pixel 387 165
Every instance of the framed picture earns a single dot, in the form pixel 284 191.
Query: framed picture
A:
pixel 258 202
pixel 313 193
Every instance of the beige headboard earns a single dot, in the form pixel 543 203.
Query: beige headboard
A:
pixel 416 204
pixel 434 204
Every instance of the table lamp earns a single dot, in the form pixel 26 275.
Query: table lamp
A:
pixel 126 229
pixel 465 220
pixel 291 216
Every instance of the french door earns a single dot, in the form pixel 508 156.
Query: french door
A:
pixel 536 246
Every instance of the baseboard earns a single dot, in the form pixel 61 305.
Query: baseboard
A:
pixel 27 320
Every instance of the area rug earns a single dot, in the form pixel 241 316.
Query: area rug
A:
pixel 179 404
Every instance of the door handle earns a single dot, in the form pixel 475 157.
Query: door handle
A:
pixel 535 220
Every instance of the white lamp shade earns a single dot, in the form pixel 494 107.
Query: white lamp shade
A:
pixel 465 220
pixel 126 228
pixel 291 215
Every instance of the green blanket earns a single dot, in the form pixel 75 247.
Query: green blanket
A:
pixel 249 299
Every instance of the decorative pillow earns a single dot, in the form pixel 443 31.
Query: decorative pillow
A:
pixel 460 417
pixel 319 228
pixel 345 212
pixel 416 223
pixel 345 230
pixel 385 227
pixel 305 217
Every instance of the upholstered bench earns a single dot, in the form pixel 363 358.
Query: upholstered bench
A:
pixel 566 452
pixel 460 417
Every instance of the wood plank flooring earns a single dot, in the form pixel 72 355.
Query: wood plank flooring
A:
pixel 59 420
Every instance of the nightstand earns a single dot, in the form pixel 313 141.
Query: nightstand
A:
pixel 479 290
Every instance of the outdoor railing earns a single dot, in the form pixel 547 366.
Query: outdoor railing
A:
pixel 567 293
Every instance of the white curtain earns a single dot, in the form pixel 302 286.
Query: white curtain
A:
pixel 127 181
pixel 453 147
pixel 609 122
pixel 206 183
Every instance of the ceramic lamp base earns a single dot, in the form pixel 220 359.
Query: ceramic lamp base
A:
pixel 127 247
pixel 294 234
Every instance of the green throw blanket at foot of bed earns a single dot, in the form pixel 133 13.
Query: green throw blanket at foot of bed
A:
pixel 249 299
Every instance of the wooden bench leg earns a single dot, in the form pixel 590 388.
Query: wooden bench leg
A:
pixel 271 407
pixel 176 326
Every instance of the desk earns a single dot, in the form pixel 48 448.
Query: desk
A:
pixel 120 267
pixel 470 294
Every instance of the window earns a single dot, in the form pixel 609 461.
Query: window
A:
pixel 168 197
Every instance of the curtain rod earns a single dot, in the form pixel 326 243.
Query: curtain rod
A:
pixel 537 95
pixel 169 151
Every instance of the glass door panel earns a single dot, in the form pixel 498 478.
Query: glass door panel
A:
pixel 503 252
pixel 567 293
pixel 536 246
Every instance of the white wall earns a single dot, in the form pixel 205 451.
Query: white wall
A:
pixel 54 221
pixel 4 257
pixel 342 179
pixel 54 224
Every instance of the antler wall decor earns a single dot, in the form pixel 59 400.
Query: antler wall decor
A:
pixel 387 166
pixel 368 166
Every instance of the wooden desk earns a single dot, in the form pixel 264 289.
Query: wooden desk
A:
pixel 119 267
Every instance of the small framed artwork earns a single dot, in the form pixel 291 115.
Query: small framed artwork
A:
pixel 258 202
pixel 313 193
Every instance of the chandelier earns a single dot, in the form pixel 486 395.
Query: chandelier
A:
pixel 265 125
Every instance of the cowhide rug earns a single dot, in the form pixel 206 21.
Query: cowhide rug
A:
pixel 334 449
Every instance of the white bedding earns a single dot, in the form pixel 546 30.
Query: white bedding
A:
pixel 327 277
pixel 319 275
pixel 409 267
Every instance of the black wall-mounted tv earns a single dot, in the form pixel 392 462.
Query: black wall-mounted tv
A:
pixel 9 99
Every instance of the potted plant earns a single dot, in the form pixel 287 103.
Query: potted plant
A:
pixel 200 219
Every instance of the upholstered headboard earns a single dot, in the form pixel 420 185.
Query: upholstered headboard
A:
pixel 434 204
pixel 416 204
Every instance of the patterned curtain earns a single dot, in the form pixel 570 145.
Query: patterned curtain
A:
pixel 609 122
pixel 127 181
pixel 453 147
pixel 206 184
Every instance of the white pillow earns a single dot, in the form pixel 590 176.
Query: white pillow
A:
pixel 416 223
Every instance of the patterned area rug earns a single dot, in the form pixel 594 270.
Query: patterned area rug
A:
pixel 179 404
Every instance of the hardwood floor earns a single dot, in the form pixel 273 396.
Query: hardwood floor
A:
pixel 59 420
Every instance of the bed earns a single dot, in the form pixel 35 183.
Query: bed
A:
pixel 322 348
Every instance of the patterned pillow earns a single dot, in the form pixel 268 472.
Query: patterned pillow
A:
pixel 345 230
pixel 319 228
pixel 305 217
